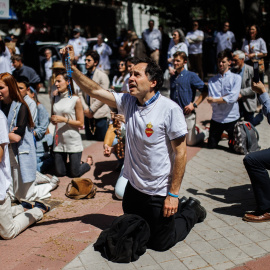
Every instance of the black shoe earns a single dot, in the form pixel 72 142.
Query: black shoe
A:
pixel 196 205
pixel 182 203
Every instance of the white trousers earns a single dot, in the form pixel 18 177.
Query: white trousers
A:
pixel 10 227
pixel 120 185
pixel 193 137
pixel 19 190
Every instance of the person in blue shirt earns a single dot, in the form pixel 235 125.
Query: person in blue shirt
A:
pixel 223 93
pixel 257 163
pixel 184 84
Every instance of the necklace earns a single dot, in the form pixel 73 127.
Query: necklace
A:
pixel 120 146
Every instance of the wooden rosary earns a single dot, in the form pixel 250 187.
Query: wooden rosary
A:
pixel 120 145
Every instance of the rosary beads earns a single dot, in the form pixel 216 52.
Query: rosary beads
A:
pixel 69 73
pixel 120 146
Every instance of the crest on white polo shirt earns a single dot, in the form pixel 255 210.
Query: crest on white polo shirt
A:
pixel 149 131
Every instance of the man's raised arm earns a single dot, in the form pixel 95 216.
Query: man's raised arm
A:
pixel 86 84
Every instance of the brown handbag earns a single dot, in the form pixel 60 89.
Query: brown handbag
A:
pixel 81 188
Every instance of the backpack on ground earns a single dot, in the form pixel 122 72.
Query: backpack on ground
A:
pixel 246 138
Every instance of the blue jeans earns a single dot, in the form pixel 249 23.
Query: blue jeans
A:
pixel 257 164
pixel 72 169
pixel 45 163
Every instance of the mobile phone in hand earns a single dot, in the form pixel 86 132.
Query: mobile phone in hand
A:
pixel 256 77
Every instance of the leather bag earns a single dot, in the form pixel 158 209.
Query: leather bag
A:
pixel 81 188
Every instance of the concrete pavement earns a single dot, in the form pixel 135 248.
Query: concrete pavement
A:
pixel 223 241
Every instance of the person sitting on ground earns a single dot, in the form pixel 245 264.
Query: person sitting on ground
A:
pixel 68 118
pixel 13 219
pixel 155 154
pixel 257 163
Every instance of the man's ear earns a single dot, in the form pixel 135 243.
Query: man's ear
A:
pixel 153 84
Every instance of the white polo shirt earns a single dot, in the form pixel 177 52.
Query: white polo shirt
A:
pixel 149 156
pixel 5 174
pixel 224 41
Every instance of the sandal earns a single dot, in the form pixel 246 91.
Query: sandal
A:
pixel 43 206
pixel 27 204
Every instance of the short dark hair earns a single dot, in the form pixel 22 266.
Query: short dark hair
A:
pixel 226 53
pixel 133 60
pixel 24 80
pixel 93 54
pixel 181 54
pixel 153 71
pixel 151 21
pixel 16 57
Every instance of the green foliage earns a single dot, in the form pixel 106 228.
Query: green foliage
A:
pixel 27 7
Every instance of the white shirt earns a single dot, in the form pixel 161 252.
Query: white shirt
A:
pixel 80 46
pixel 48 70
pixel 104 51
pixel 255 46
pixel 227 86
pixel 149 156
pixel 224 40
pixel 195 47
pixel 5 173
pixel 152 38
pixel 125 87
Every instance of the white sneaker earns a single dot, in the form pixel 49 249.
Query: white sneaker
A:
pixel 41 178
pixel 54 181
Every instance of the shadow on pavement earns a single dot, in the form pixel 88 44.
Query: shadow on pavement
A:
pixel 100 221
pixel 240 198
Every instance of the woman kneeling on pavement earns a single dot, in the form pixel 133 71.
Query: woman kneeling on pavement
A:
pixel 15 219
pixel 68 118
pixel 22 152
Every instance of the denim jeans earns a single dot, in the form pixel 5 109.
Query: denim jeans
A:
pixel 73 168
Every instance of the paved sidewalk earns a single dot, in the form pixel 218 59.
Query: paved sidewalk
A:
pixel 218 179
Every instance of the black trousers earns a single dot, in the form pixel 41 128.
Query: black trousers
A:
pixel 257 164
pixel 73 168
pixel 165 232
pixel 216 130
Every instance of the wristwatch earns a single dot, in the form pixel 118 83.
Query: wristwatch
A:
pixel 195 105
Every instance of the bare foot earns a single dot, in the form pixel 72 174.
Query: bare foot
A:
pixel 89 160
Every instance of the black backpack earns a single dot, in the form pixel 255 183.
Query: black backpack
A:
pixel 125 241
pixel 246 138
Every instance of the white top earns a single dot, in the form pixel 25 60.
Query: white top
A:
pixel 149 156
pixel 48 70
pixel 5 173
pixel 5 64
pixel 227 86
pixel 256 46
pixel 32 107
pixel 125 87
pixel 195 46
pixel 80 46
pixel 69 138
pixel 104 51
pixel 152 38
pixel 180 47
pixel 224 40
pixel 119 82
